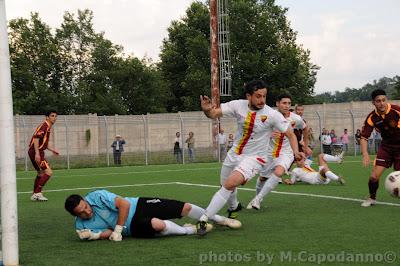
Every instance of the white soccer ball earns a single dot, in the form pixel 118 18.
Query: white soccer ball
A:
pixel 392 184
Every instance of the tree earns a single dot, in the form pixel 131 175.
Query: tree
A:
pixel 185 63
pixel 363 93
pixel 35 65
pixel 262 46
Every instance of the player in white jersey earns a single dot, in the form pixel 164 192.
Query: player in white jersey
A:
pixel 256 121
pixel 279 153
pixel 308 175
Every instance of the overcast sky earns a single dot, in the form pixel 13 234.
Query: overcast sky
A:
pixel 354 42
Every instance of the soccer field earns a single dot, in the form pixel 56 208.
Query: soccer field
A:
pixel 297 225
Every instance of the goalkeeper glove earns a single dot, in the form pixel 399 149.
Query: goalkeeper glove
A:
pixel 116 234
pixel 88 234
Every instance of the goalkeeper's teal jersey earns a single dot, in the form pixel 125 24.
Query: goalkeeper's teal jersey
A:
pixel 105 214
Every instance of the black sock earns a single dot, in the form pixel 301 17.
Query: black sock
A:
pixel 373 187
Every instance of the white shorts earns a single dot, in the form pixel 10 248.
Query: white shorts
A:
pixel 284 160
pixel 250 166
pixel 314 178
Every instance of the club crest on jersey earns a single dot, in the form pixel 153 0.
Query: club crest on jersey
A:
pixel 393 123
pixel 263 118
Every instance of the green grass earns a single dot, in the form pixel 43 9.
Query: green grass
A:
pixel 286 223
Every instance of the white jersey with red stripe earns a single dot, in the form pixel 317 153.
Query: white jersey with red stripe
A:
pixel 254 127
pixel 308 175
pixel 280 144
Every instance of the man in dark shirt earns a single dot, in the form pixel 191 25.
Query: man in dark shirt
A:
pixel 386 120
pixel 37 146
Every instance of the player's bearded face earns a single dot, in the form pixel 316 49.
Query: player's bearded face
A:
pixel 257 99
pixel 380 103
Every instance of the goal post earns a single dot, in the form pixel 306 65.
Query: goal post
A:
pixel 8 185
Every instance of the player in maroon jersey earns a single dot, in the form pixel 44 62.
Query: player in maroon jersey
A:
pixel 302 135
pixel 37 146
pixel 386 120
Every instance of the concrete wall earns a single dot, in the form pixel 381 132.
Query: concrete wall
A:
pixel 157 131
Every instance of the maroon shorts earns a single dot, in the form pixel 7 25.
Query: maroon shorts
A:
pixel 43 165
pixel 388 155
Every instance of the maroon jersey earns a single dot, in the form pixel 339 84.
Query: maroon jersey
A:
pixel 388 124
pixel 299 132
pixel 42 133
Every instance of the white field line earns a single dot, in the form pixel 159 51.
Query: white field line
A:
pixel 293 193
pixel 127 173
pixel 142 172
pixel 90 188
pixel 213 186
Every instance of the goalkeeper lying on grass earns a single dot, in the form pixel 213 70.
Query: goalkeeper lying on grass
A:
pixel 105 215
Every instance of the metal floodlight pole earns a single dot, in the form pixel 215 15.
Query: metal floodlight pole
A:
pixel 67 140
pixel 215 94
pixel 320 131
pixel 25 143
pixel 145 139
pixel 8 183
pixel 353 128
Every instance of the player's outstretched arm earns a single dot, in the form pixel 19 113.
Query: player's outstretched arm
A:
pixel 293 144
pixel 54 151
pixel 364 152
pixel 87 234
pixel 210 110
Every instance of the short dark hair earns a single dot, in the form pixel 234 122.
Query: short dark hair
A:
pixel 282 96
pixel 48 113
pixel 71 202
pixel 254 85
pixel 298 105
pixel 376 93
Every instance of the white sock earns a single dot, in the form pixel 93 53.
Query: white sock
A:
pixel 233 201
pixel 172 228
pixel 217 202
pixel 270 184
pixel 259 185
pixel 331 158
pixel 196 212
pixel 331 175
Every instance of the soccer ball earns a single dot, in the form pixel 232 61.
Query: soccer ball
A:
pixel 392 184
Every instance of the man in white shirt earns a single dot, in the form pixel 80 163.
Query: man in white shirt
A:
pixel 221 139
pixel 279 152
pixel 245 159
pixel 178 147
pixel 326 142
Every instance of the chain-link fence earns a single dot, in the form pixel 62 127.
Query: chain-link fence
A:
pixel 85 140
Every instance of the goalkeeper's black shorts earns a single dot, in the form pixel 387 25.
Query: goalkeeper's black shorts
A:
pixel 148 208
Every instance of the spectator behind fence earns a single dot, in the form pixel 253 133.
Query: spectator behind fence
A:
pixel 229 142
pixel 311 139
pixel 357 137
pixel 178 147
pixel 221 138
pixel 190 142
pixel 333 136
pixel 345 140
pixel 118 149
pixel 377 140
pixel 371 141
pixel 326 142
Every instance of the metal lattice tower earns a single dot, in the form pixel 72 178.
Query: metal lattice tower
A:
pixel 225 73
